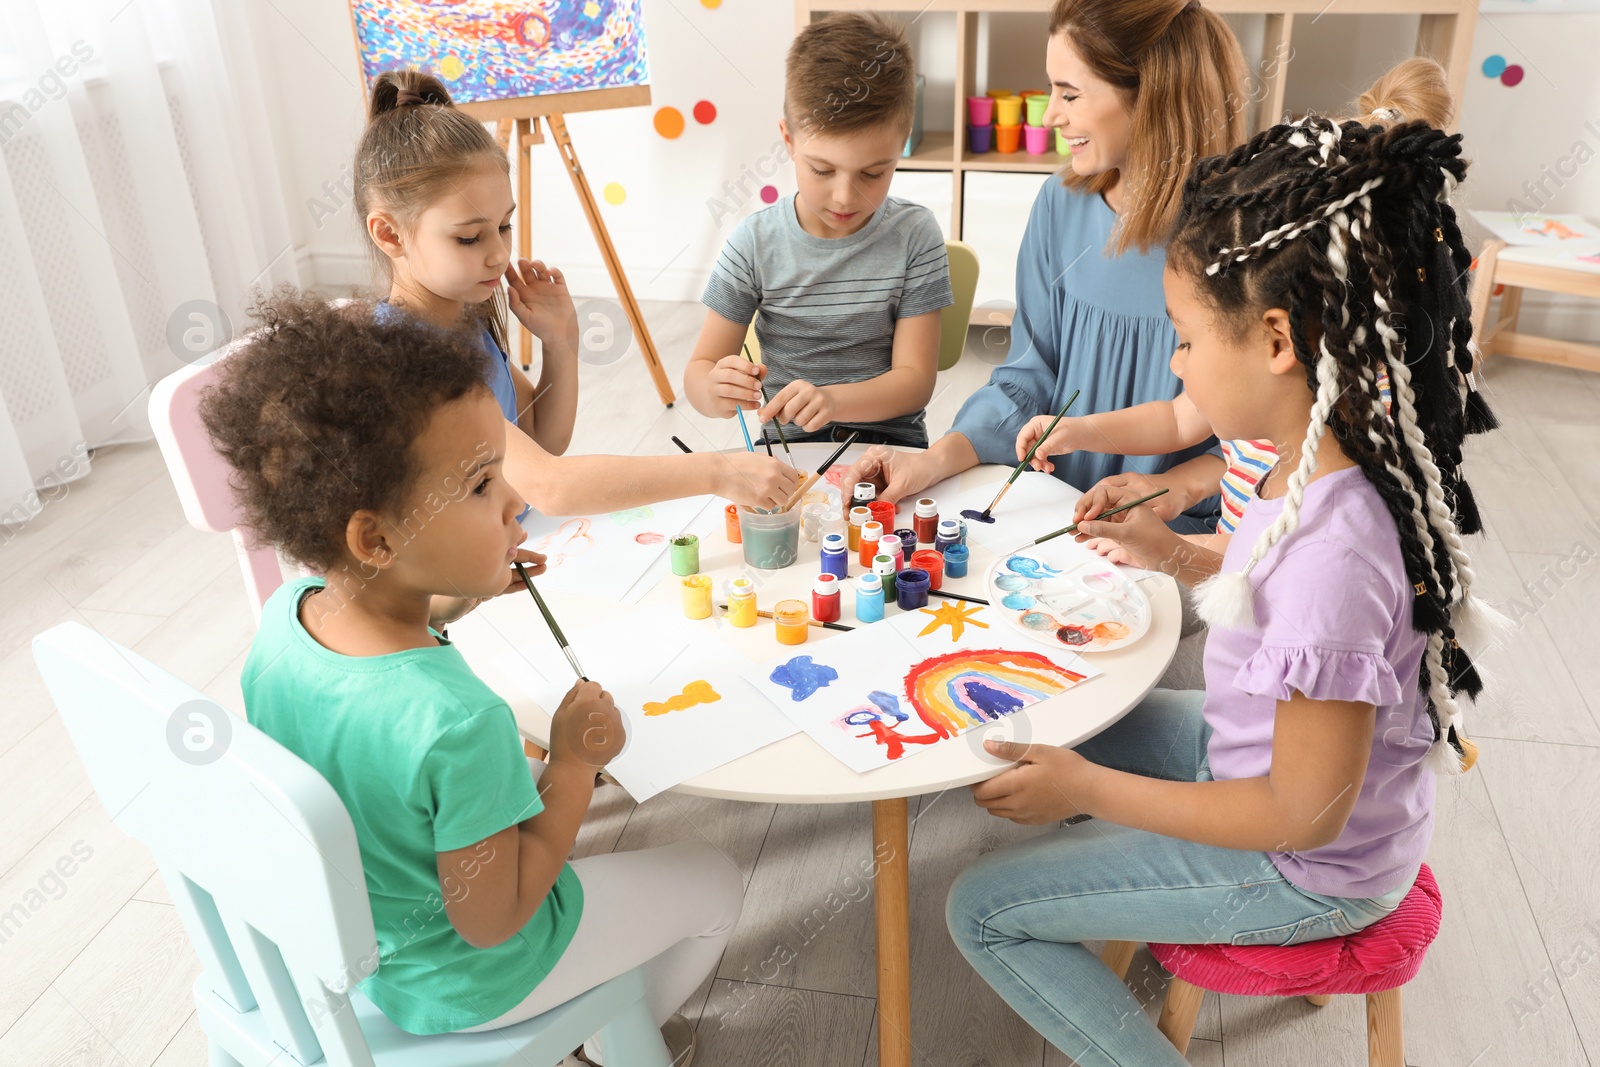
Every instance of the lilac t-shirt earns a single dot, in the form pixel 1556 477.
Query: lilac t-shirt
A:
pixel 1333 608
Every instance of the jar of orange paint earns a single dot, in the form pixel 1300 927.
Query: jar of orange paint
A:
pixel 792 619
pixel 730 522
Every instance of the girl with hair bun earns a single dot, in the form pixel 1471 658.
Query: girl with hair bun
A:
pixel 1293 799
pixel 433 192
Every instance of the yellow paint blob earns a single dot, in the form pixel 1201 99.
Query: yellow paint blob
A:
pixel 451 67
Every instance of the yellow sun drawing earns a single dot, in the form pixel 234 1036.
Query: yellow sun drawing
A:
pixel 957 615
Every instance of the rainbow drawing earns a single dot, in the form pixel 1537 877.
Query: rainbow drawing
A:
pixel 962 689
pixel 506 49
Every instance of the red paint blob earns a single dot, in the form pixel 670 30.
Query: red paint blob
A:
pixel 1512 75
pixel 705 112
pixel 650 538
pixel 769 194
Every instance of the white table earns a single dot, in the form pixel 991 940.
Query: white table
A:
pixel 799 771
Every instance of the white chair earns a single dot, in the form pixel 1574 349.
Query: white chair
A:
pixel 260 858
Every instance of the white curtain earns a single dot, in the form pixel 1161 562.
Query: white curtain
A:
pixel 139 205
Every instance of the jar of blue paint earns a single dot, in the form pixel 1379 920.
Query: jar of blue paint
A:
pixel 835 555
pixel 911 588
pixel 869 598
pixel 948 533
pixel 955 561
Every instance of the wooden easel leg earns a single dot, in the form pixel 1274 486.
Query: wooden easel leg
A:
pixel 890 845
pixel 527 137
pixel 647 346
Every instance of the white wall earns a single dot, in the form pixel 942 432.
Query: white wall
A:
pixel 668 230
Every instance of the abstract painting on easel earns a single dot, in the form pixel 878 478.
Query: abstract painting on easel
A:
pixel 887 691
pixel 506 49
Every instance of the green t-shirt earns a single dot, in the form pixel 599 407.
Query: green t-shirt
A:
pixel 426 759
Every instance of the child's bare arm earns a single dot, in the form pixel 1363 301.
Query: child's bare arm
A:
pixel 719 379
pixel 905 387
pixel 491 889
pixel 588 485
pixel 1153 429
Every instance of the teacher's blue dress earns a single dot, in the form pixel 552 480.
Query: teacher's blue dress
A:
pixel 1087 321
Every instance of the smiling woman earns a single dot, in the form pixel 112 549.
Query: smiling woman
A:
pixel 1141 88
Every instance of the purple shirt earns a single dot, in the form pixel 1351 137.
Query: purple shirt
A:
pixel 1334 611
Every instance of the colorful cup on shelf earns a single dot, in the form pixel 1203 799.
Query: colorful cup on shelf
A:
pixel 980 110
pixel 980 139
pixel 996 94
pixel 1036 105
pixel 1008 111
pixel 1036 139
pixel 1007 138
pixel 1062 148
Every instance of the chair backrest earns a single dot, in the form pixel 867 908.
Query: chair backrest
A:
pixel 955 319
pixel 256 848
pixel 201 476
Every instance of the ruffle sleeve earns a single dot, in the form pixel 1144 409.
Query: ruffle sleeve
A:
pixel 1320 673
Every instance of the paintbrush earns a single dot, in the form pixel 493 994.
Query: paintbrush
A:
pixel 984 515
pixel 550 621
pixel 775 423
pixel 948 595
pixel 748 447
pixel 1114 511
pixel 813 622
pixel 679 442
pixel 811 479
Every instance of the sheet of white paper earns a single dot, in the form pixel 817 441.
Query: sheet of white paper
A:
pixel 1539 230
pixel 889 690
pixel 1035 505
pixel 604 556
pixel 687 708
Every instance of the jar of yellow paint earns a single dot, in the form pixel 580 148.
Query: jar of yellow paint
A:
pixel 792 619
pixel 697 596
pixel 741 602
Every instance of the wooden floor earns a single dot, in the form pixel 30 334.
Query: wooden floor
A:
pixel 95 969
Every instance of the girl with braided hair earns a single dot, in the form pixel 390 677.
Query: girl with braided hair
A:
pixel 1292 799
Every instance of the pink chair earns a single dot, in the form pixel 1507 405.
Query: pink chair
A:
pixel 201 476
pixel 1375 962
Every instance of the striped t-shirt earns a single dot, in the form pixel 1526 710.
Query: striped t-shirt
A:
pixel 1249 461
pixel 829 305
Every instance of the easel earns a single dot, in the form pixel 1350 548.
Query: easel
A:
pixel 525 129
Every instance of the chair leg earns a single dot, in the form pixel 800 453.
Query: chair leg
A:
pixel 1118 955
pixel 631 1039
pixel 1385 1037
pixel 1320 1000
pixel 1179 1012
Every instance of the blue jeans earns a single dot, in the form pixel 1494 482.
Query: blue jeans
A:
pixel 1021 914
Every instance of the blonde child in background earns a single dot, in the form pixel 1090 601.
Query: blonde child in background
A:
pixel 1414 90
pixel 480 921
pixel 848 280
pixel 433 190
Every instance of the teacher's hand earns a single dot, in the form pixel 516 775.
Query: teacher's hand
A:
pixel 895 475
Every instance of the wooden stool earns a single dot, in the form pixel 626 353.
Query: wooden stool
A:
pixel 1517 269
pixel 1375 962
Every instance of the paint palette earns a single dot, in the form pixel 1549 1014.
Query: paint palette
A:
pixel 1065 596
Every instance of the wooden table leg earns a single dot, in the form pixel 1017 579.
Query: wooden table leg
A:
pixel 891 846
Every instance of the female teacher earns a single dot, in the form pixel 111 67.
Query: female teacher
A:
pixel 1140 89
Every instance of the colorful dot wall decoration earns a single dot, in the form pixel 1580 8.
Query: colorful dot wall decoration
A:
pixel 1493 66
pixel 669 122
pixel 769 194
pixel 1512 75
pixel 614 193
pixel 705 112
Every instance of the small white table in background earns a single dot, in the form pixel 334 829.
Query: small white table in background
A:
pixel 797 770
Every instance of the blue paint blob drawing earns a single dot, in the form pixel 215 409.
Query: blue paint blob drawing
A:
pixel 887 709
pixel 1029 567
pixel 1019 601
pixel 802 677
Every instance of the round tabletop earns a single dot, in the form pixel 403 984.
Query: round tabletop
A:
pixel 797 770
